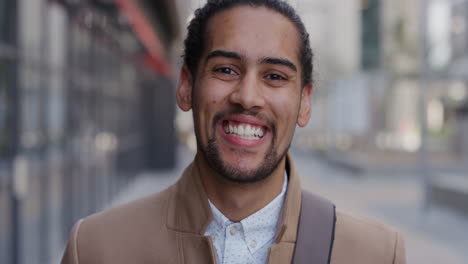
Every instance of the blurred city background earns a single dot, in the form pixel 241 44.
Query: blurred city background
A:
pixel 88 118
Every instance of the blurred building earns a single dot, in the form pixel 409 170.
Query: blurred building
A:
pixel 391 97
pixel 456 97
pixel 86 102
pixel 368 93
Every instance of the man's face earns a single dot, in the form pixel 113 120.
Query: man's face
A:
pixel 247 95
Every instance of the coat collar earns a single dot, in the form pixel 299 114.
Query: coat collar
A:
pixel 189 211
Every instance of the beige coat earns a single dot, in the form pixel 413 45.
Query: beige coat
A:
pixel 168 227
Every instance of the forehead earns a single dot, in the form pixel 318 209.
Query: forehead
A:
pixel 253 32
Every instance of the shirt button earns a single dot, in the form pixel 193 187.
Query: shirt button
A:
pixel 233 230
pixel 253 243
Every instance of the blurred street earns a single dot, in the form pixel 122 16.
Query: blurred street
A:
pixel 433 237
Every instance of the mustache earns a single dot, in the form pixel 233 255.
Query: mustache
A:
pixel 236 111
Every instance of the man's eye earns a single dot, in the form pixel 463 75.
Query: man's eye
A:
pixel 225 70
pixel 275 77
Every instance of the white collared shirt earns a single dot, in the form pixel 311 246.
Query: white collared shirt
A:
pixel 247 241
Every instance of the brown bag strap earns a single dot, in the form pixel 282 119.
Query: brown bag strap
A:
pixel 316 230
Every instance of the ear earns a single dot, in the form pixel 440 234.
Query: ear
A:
pixel 305 108
pixel 184 89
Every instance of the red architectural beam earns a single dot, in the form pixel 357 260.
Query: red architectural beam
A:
pixel 155 58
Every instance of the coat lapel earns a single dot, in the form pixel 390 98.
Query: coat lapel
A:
pixel 281 253
pixel 283 249
pixel 189 210
pixel 189 215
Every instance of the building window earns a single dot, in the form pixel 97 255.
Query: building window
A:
pixel 6 108
pixel 370 34
pixel 7 21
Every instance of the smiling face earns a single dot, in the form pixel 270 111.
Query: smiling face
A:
pixel 246 96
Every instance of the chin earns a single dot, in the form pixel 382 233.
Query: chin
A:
pixel 241 169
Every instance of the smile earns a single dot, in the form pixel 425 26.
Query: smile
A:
pixel 243 130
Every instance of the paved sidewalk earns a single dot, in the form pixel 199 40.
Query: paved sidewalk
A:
pixel 433 237
pixel 438 236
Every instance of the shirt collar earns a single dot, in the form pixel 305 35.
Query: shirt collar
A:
pixel 219 220
pixel 260 226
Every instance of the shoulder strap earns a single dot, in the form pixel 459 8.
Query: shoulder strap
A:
pixel 316 230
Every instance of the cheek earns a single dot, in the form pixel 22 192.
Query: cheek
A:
pixel 285 110
pixel 286 107
pixel 212 91
pixel 209 100
pixel 213 96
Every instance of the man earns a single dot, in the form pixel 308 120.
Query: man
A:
pixel 247 77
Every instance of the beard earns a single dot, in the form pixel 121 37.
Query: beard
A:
pixel 213 156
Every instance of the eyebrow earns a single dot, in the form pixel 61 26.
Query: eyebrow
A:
pixel 280 61
pixel 265 60
pixel 225 54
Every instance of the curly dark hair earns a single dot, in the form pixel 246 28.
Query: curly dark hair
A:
pixel 195 41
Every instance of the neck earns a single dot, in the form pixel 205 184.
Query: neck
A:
pixel 239 200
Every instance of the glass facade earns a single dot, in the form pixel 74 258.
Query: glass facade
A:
pixel 370 38
pixel 70 120
pixel 7 75
pixel 6 108
pixel 7 139
pixel 8 114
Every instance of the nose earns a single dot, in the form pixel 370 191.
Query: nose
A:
pixel 248 93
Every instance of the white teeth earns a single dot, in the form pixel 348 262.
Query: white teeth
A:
pixel 240 130
pixel 246 131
